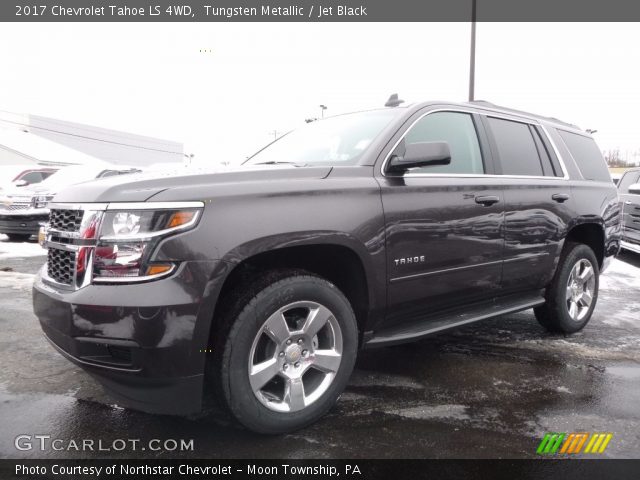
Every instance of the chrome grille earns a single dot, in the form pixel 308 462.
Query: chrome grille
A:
pixel 15 206
pixel 60 265
pixel 65 220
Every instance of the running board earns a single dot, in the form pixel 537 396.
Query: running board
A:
pixel 453 319
pixel 632 247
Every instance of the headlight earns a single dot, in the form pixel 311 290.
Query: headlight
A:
pixel 127 240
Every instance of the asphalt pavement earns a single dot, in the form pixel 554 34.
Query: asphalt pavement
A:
pixel 490 390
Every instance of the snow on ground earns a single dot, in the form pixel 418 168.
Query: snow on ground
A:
pixel 16 281
pixel 19 249
pixel 620 276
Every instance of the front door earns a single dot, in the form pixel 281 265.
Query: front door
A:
pixel 444 235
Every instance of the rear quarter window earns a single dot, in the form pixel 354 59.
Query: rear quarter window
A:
pixel 587 156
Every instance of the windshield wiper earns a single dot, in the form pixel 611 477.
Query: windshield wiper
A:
pixel 277 162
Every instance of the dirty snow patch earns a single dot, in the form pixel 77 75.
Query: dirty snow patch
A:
pixel 16 281
pixel 627 348
pixel 620 276
pixel 456 412
pixel 19 249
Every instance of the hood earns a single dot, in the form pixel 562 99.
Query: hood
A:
pixel 28 191
pixel 193 184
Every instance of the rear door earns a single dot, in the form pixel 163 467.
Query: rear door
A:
pixel 537 201
pixel 631 207
pixel 443 223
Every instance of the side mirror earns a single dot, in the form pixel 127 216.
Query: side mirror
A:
pixel 21 183
pixel 634 189
pixel 421 154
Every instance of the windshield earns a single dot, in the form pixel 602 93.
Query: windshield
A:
pixel 339 140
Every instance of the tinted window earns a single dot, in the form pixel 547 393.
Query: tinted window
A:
pixel 32 177
pixel 516 148
pixel 458 130
pixel 627 180
pixel 587 155
pixel 339 140
pixel 550 164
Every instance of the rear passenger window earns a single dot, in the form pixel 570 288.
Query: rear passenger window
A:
pixel 517 148
pixel 459 131
pixel 587 156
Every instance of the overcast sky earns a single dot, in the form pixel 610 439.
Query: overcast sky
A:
pixel 152 79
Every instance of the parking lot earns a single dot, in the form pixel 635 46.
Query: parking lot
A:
pixel 488 390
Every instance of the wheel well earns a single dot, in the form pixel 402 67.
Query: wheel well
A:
pixel 335 263
pixel 592 235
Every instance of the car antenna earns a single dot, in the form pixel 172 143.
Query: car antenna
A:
pixel 393 101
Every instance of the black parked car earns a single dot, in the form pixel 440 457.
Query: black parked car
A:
pixel 357 231
pixel 629 189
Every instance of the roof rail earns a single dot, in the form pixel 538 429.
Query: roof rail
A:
pixel 484 103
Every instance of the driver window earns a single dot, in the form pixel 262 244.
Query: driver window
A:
pixel 458 130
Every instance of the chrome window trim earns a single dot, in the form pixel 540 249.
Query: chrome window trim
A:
pixel 478 175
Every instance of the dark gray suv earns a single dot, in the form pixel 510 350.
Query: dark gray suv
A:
pixel 357 231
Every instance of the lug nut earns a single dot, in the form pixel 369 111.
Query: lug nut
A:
pixel 304 353
pixel 281 354
pixel 297 364
pixel 285 366
pixel 289 342
pixel 300 342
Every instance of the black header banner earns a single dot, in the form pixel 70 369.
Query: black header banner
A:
pixel 317 10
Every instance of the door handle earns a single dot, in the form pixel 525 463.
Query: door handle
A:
pixel 487 200
pixel 560 197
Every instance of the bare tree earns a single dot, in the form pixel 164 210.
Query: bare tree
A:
pixel 614 159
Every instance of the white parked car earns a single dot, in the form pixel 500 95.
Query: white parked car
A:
pixel 24 209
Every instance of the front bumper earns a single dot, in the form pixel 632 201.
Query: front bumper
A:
pixel 22 224
pixel 143 342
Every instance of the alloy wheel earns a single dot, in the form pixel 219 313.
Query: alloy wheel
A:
pixel 580 289
pixel 295 356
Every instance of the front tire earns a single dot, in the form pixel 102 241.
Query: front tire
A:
pixel 18 237
pixel 573 293
pixel 290 349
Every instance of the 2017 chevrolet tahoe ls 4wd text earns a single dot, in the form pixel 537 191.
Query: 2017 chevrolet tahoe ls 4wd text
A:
pixel 357 231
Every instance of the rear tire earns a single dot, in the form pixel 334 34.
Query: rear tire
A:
pixel 276 370
pixel 18 237
pixel 572 295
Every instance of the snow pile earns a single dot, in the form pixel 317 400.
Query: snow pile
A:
pixel 620 276
pixel 19 249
